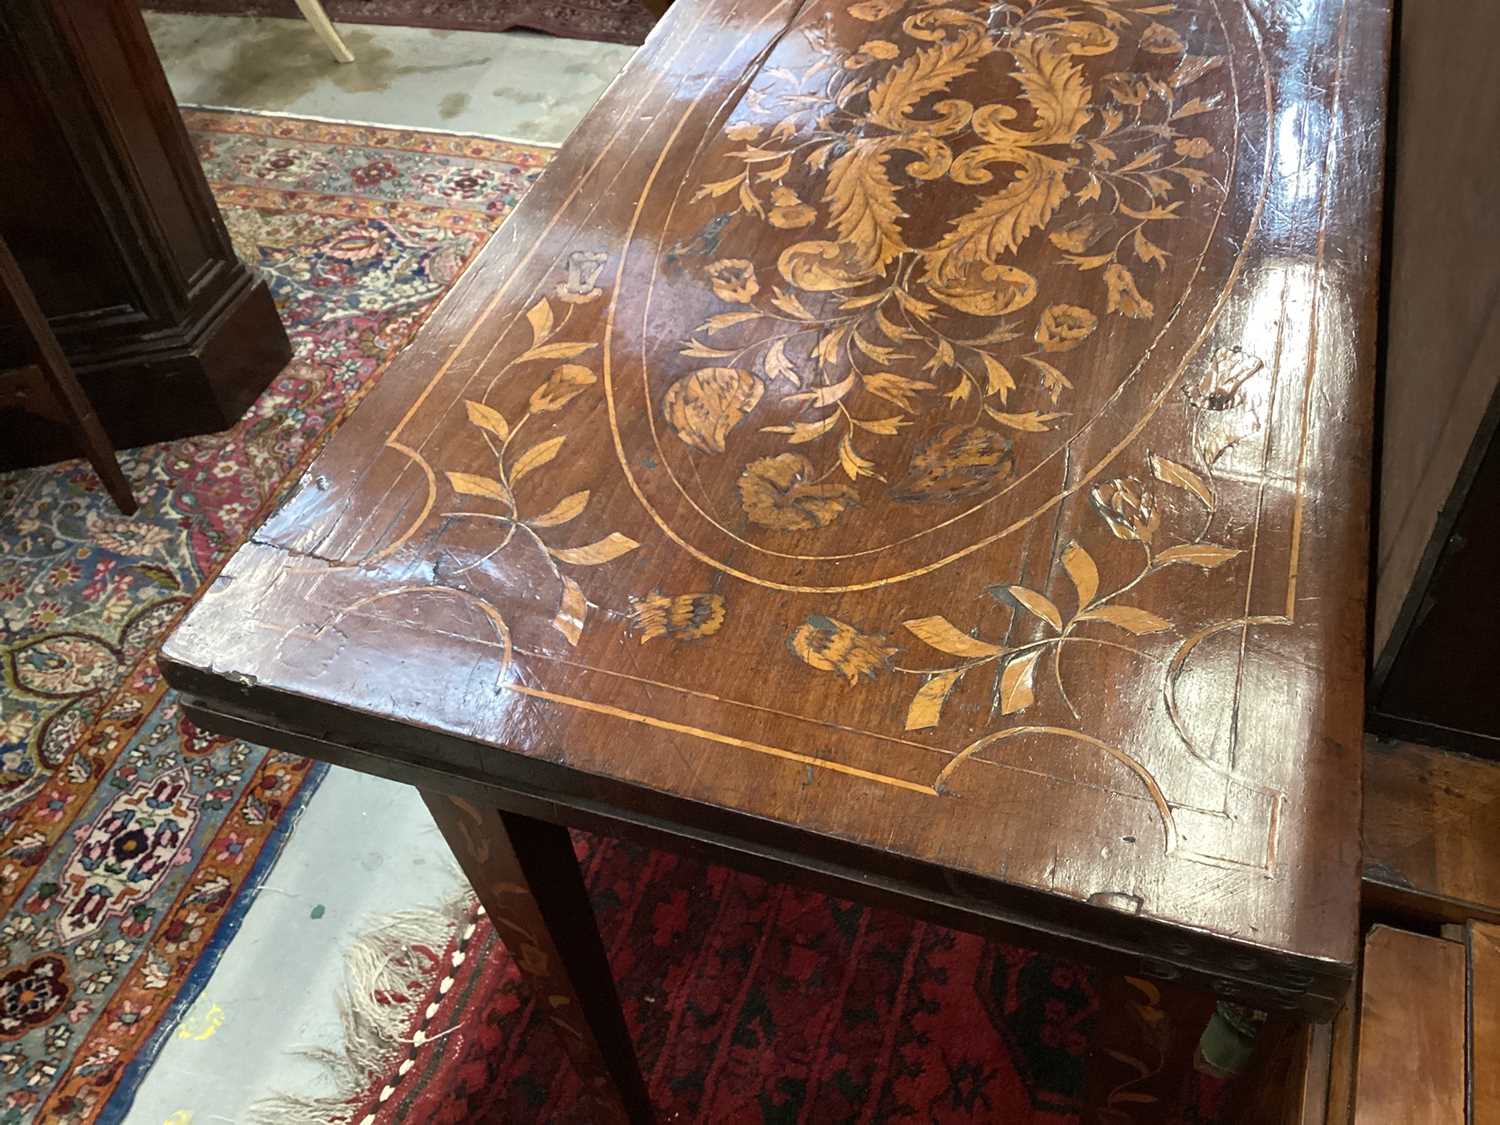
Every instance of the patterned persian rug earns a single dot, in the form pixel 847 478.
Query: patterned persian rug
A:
pixel 750 1003
pixel 130 843
pixel 611 21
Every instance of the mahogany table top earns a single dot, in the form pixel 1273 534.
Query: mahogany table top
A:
pixel 938 430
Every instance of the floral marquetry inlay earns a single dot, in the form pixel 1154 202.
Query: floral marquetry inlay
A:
pixel 877 341
pixel 927 425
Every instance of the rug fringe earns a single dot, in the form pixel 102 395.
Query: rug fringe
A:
pixel 376 1005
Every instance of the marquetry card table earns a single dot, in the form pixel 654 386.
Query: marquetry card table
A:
pixel 919 447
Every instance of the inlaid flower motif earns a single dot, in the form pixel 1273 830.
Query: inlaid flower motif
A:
pixel 1194 148
pixel 1064 327
pixel 960 461
pixel 733 279
pixel 783 492
pixel 1124 297
pixel 565 384
pixel 685 617
pixel 1160 39
pixel 742 131
pixel 1076 237
pixel 788 211
pixel 830 645
pixel 1128 508
pixel 704 406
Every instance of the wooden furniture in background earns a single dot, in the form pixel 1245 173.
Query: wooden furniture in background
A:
pixel 104 204
pixel 46 385
pixel 1437 657
pixel 929 461
pixel 1431 835
pixel 1483 941
pixel 1411 1031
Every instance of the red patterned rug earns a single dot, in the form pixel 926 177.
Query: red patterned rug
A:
pixel 749 1002
pixel 610 21
pixel 131 843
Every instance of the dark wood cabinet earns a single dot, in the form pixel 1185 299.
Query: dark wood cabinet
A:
pixel 1437 582
pixel 105 205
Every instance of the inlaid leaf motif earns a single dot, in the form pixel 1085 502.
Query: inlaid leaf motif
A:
pixel 1038 605
pixel 540 318
pixel 571 611
pixel 960 461
pixel 1032 421
pixel 1083 571
pixel 944 636
pixel 704 406
pixel 569 508
pixel 534 458
pixel 1170 472
pixel 1206 555
pixel 926 707
pixel 854 465
pixel 873 10
pixel 863 206
pixel 778 366
pixel 929 71
pixel 803 432
pixel 487 418
pixel 612 546
pixel 819 266
pixel 997 377
pixel 1016 690
pixel 1137 621
pixel 823 396
pixel 685 617
pixel 831 645
pixel 1056 88
pixel 565 384
pixel 896 388
pixel 470 485
pixel 783 492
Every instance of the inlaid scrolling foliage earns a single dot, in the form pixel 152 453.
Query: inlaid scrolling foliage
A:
pixel 868 325
pixel 1087 612
pixel 517 495
pixel 1101 613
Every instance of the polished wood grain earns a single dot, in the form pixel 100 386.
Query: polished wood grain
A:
pixel 927 444
pixel 1484 1023
pixel 525 874
pixel 1343 1064
pixel 1431 834
pixel 1411 1031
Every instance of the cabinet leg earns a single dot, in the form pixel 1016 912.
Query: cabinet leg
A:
pixel 526 875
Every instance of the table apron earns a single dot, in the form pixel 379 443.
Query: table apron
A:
pixel 1299 988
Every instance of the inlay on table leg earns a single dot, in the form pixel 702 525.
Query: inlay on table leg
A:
pixel 526 875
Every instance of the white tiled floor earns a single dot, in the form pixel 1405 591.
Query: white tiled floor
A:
pixel 276 987
pixel 517 85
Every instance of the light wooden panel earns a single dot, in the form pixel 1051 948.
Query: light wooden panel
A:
pixel 1443 351
pixel 1411 1031
pixel 1431 833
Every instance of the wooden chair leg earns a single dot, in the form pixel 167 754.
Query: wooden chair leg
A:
pixel 313 11
pixel 526 875
pixel 60 383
